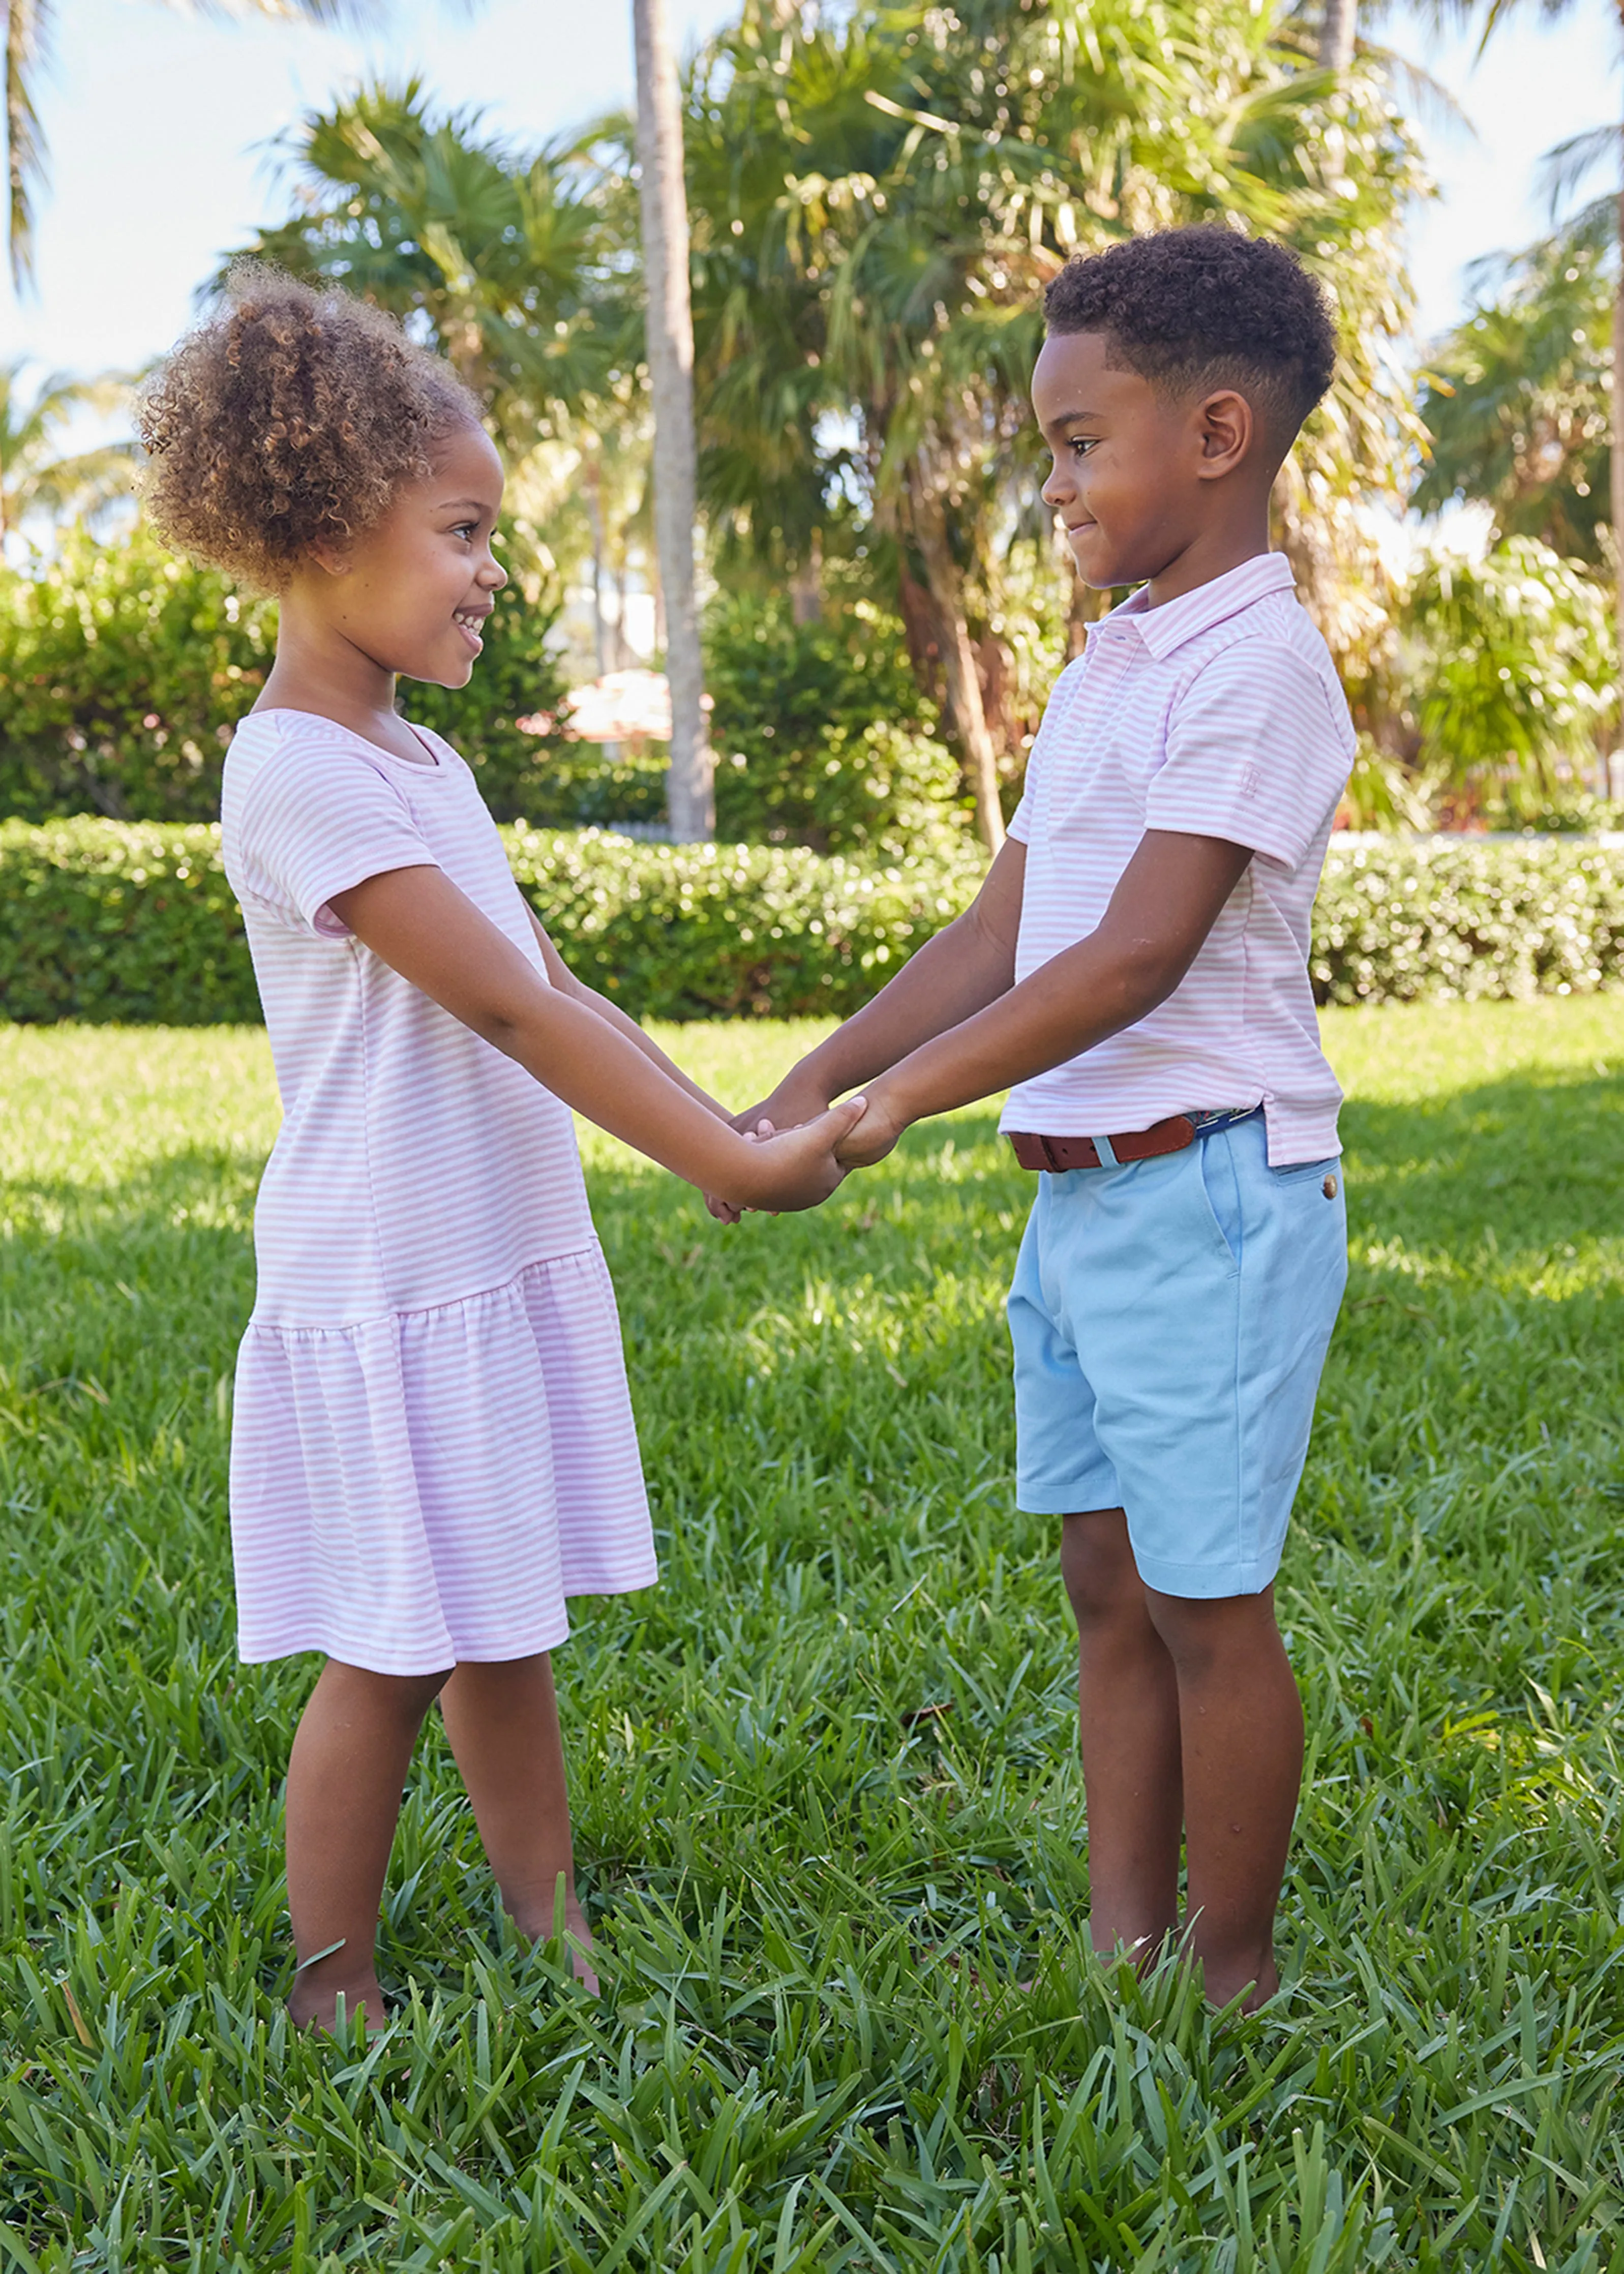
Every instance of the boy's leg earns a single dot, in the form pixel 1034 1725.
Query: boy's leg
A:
pixel 503 1724
pixel 1241 1721
pixel 351 1755
pixel 1128 1716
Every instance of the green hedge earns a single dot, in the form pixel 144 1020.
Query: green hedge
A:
pixel 134 922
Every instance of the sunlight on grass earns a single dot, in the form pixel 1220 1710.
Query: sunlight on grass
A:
pixel 828 1811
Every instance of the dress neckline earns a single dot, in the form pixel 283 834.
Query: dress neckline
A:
pixel 432 764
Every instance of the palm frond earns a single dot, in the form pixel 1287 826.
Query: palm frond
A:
pixel 27 50
pixel 1562 169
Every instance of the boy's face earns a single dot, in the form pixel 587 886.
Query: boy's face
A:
pixel 1132 466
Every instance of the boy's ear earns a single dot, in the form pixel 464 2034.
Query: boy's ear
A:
pixel 1227 426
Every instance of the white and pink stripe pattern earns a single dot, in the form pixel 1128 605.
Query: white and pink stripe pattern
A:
pixel 1218 715
pixel 434 1444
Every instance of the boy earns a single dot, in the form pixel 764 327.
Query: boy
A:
pixel 1135 970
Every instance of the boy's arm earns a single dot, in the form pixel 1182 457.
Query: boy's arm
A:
pixel 564 979
pixel 958 973
pixel 1166 900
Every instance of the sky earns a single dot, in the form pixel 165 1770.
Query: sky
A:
pixel 161 124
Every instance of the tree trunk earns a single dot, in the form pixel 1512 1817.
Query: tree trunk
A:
pixel 690 801
pixel 1337 27
pixel 805 584
pixel 1617 466
pixel 595 517
pixel 963 683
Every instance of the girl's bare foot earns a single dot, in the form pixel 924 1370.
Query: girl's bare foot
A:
pixel 314 2005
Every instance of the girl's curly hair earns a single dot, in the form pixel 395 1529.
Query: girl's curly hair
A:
pixel 288 420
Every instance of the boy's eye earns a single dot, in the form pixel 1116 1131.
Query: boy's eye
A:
pixel 1081 444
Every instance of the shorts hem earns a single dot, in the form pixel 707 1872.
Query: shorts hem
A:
pixel 1034 1499
pixel 1205 1582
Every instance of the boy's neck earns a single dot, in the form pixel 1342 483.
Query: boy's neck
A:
pixel 1211 553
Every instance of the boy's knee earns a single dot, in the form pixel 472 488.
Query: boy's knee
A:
pixel 1203 1633
pixel 1096 1563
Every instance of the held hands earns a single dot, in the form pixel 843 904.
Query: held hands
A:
pixel 866 1128
pixel 800 1168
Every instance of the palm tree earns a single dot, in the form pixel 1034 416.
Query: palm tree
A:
pixel 34 480
pixel 1569 163
pixel 882 194
pixel 28 28
pixel 1515 398
pixel 670 335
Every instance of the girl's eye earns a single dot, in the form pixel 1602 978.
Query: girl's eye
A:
pixel 465 529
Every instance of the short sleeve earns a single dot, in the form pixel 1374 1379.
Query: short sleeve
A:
pixel 1255 753
pixel 318 818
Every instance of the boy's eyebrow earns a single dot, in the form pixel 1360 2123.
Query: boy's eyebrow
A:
pixel 1069 417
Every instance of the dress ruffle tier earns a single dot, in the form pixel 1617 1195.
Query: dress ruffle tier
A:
pixel 430 1486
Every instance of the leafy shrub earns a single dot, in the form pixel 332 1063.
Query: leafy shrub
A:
pixel 821 735
pixel 123 669
pixel 1444 917
pixel 109 921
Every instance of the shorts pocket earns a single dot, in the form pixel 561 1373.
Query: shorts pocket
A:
pixel 1300 1171
pixel 1221 1189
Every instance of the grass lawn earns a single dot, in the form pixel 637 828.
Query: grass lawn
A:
pixel 826 1795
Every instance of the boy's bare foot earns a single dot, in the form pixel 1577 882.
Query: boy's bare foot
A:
pixel 1224 1979
pixel 578 1939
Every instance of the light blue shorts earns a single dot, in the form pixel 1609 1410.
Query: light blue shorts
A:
pixel 1171 1319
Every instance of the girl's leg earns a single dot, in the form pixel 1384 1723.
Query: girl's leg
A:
pixel 351 1755
pixel 1128 1715
pixel 1241 1722
pixel 503 1724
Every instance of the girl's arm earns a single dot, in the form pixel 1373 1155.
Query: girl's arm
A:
pixel 564 979
pixel 952 976
pixel 419 923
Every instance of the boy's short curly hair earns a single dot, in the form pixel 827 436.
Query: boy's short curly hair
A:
pixel 1194 308
pixel 288 420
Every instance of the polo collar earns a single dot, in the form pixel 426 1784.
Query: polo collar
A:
pixel 1162 629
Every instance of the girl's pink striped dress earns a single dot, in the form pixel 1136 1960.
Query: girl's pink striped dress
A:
pixel 433 1445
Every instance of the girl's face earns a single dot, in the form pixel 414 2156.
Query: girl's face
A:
pixel 413 593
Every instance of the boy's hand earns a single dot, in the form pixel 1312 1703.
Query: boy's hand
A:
pixel 799 1169
pixel 883 1122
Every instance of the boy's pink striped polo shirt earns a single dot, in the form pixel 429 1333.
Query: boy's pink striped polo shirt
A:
pixel 1218 715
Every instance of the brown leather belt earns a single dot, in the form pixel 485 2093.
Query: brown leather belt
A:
pixel 1061 1153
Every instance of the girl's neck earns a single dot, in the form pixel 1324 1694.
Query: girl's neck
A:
pixel 317 670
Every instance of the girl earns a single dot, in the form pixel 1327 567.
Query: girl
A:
pixel 432 1446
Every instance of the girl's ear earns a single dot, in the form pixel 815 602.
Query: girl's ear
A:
pixel 333 558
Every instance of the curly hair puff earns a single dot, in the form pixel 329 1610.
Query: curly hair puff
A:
pixel 290 419
pixel 1193 308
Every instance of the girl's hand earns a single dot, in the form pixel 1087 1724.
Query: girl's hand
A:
pixel 799 1169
